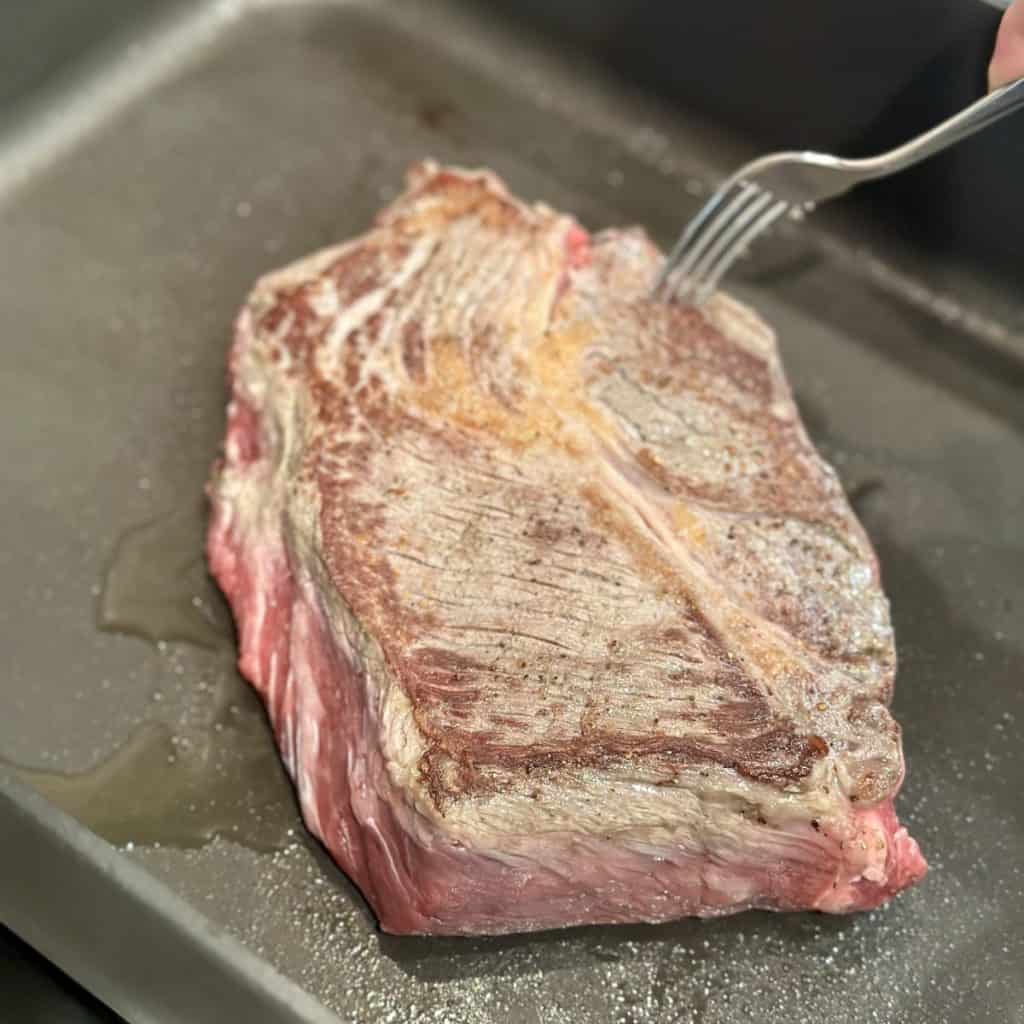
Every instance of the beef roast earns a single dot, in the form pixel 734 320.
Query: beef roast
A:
pixel 557 614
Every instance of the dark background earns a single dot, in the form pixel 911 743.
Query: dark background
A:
pixel 852 78
pixel 33 991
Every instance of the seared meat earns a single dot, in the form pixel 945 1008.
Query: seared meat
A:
pixel 557 613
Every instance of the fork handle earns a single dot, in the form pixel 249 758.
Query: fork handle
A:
pixel 981 114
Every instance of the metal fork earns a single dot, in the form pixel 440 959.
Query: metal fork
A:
pixel 791 185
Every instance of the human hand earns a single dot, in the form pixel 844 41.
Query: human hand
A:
pixel 1008 57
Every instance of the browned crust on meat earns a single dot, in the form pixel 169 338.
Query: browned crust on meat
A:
pixel 519 397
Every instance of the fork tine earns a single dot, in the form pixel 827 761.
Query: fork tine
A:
pixel 732 253
pixel 696 223
pixel 693 273
pixel 724 203
pixel 729 233
pixel 748 198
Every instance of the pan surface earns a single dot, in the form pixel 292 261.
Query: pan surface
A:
pixel 228 139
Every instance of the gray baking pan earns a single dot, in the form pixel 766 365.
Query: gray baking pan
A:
pixel 137 204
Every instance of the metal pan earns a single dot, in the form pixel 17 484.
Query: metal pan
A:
pixel 136 207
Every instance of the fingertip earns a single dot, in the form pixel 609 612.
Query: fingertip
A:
pixel 1008 57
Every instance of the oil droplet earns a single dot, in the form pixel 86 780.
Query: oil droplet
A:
pixel 149 791
pixel 157 586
